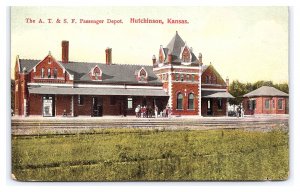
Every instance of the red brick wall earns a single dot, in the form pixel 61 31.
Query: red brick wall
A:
pixel 215 110
pixel 17 97
pixel 185 89
pixel 21 93
pixel 63 102
pixel 61 76
pixel 36 104
pixel 210 71
pixel 85 108
pixel 260 106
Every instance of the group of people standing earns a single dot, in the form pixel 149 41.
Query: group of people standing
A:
pixel 240 111
pixel 147 112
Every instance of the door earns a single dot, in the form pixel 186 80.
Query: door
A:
pixel 97 107
pixel 48 106
pixel 209 107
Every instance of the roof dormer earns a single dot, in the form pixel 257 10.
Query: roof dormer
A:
pixel 96 73
pixel 142 75
pixel 186 55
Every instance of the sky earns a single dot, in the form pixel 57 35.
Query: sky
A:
pixel 243 43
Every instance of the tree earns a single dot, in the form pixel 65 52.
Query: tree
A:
pixel 282 87
pixel 236 89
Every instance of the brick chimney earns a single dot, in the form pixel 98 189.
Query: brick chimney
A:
pixel 108 55
pixel 65 51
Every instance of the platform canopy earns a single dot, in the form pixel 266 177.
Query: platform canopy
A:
pixel 216 94
pixel 97 91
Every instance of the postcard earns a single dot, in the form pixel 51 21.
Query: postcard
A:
pixel 149 93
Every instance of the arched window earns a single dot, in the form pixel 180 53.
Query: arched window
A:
pixel 186 55
pixel 181 77
pixel 191 101
pixel 49 73
pixel 42 73
pixel 177 77
pixel 179 101
pixel 213 80
pixel 55 73
pixel 188 77
pixel 143 76
pixel 208 79
pixel 96 73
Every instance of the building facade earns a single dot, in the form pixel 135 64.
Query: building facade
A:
pixel 194 88
pixel 265 100
pixel 178 80
pixel 55 88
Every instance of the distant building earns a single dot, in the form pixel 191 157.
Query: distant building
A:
pixel 265 100
pixel 178 79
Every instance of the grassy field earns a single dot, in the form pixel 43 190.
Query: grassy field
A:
pixel 152 155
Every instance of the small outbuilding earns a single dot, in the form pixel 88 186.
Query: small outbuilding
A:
pixel 265 100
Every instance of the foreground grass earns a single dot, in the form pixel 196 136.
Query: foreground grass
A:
pixel 152 155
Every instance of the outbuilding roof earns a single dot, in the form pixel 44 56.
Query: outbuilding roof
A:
pixel 266 91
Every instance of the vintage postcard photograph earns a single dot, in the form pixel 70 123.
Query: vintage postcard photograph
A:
pixel 149 93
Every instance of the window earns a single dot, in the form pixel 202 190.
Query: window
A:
pixel 42 73
pixel 191 101
pixel 181 77
pixel 251 104
pixel 273 104
pixel 177 77
pixel 55 73
pixel 143 75
pixel 49 73
pixel 187 77
pixel 208 79
pixel 208 104
pixel 280 104
pixel 213 80
pixel 267 104
pixel 179 101
pixel 113 100
pixel 219 103
pixel 97 73
pixel 80 100
pixel 186 55
pixel 129 103
pixel 193 78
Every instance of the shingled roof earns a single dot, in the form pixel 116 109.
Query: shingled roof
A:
pixel 28 63
pixel 113 73
pixel 174 48
pixel 266 91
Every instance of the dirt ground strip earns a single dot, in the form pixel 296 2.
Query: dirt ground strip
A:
pixel 41 126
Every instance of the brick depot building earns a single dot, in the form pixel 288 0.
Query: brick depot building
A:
pixel 265 100
pixel 178 80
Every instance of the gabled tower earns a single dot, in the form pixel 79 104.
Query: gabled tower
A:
pixel 180 70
